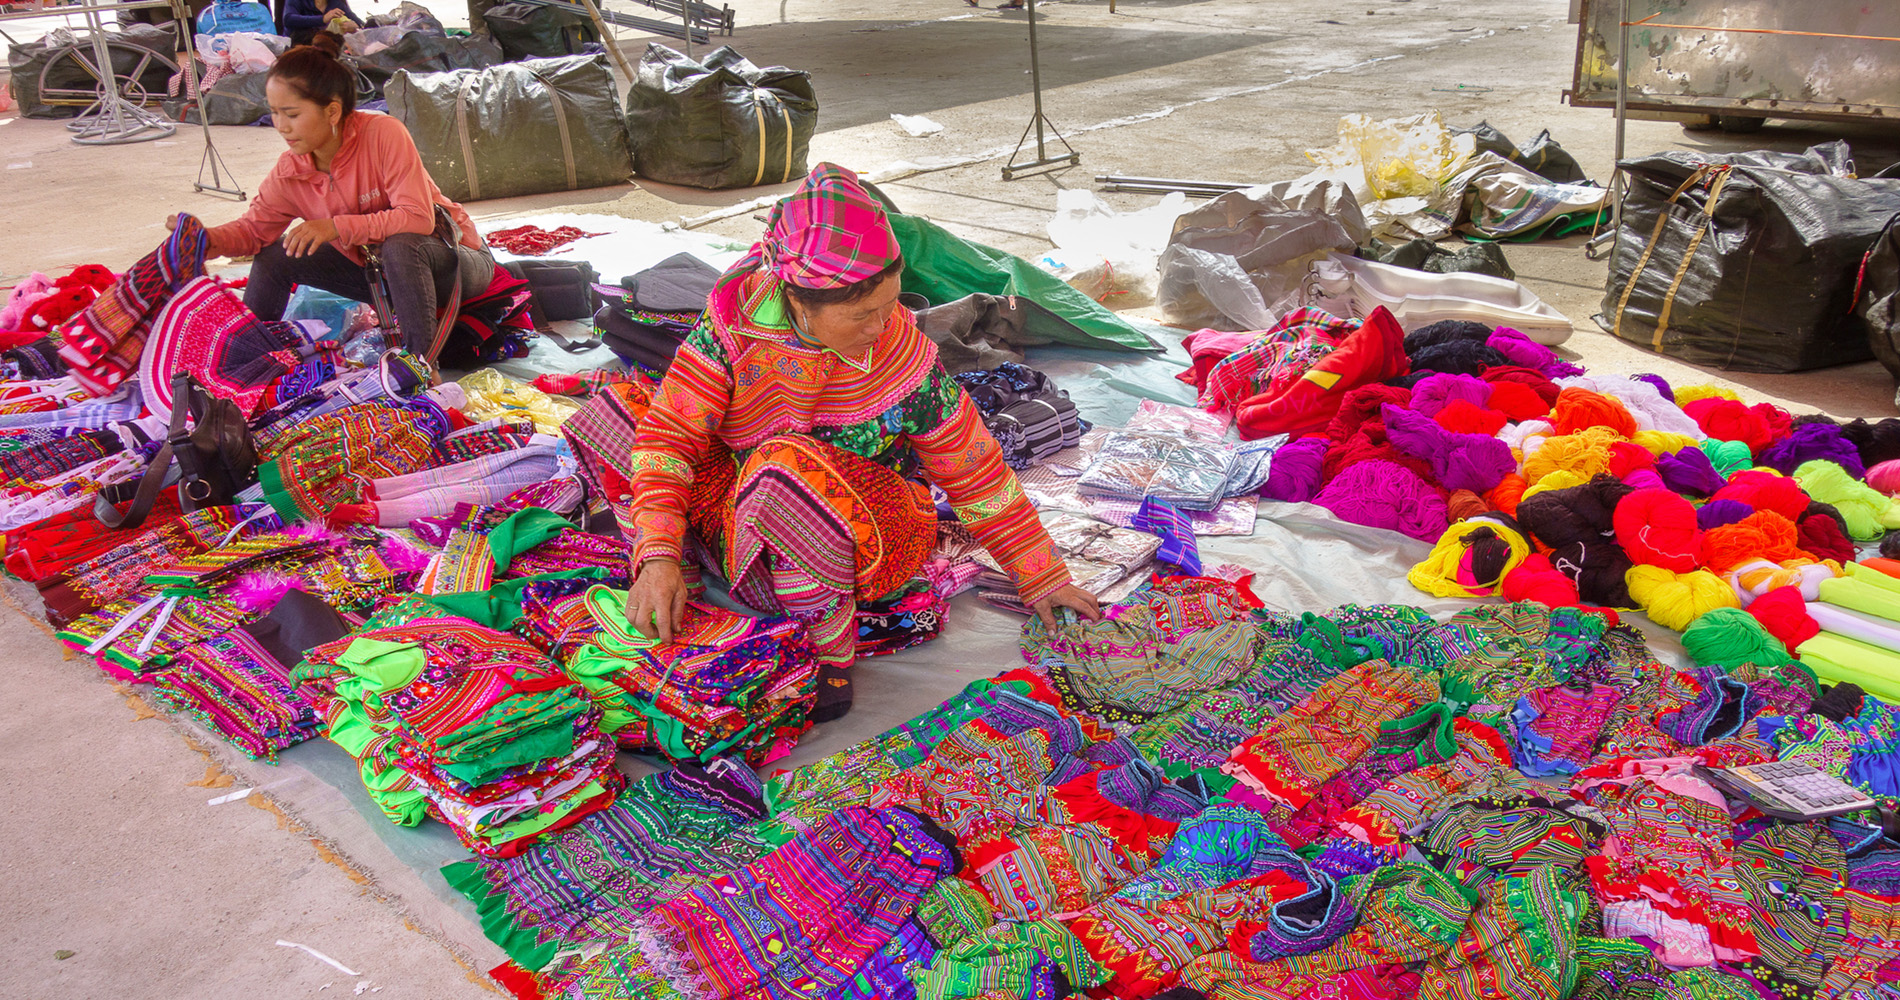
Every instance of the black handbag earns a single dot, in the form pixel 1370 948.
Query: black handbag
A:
pixel 214 460
pixel 558 290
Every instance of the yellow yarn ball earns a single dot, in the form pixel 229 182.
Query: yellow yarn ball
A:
pixel 1660 443
pixel 1690 393
pixel 1562 479
pixel 1584 453
pixel 1674 600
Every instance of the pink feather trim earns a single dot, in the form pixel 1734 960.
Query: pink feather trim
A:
pixel 404 557
pixel 260 591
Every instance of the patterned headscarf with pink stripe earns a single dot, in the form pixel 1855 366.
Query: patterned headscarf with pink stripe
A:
pixel 829 233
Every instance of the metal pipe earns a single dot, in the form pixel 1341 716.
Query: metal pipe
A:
pixel 1035 81
pixel 1125 179
pixel 1622 110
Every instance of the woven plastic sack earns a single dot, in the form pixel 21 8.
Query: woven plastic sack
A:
pixel 533 31
pixel 1746 261
pixel 520 128
pixel 722 123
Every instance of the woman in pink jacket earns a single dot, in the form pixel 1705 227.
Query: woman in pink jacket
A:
pixel 350 179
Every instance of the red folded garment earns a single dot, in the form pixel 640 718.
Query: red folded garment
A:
pixel 1373 353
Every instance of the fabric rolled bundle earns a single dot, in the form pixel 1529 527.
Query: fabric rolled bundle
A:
pixel 1838 659
pixel 1856 625
pixel 1862 594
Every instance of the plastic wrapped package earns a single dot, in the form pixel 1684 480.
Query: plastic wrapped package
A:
pixel 1186 472
pixel 492 394
pixel 1398 169
pixel 1111 256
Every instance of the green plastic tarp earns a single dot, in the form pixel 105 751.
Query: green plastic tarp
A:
pixel 943 267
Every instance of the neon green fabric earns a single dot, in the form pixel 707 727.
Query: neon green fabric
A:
pixel 1857 593
pixel 1837 659
pixel 386 666
pixel 499 607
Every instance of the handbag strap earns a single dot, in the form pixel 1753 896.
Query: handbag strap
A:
pixel 153 482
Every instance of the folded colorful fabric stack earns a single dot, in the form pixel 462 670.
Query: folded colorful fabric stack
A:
pixel 468 724
pixel 728 684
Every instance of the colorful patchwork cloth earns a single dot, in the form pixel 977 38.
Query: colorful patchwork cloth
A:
pixel 1149 653
pixel 807 917
pixel 490 736
pixel 726 684
pixel 103 343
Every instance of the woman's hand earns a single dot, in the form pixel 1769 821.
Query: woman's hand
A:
pixel 657 600
pixel 308 237
pixel 1072 597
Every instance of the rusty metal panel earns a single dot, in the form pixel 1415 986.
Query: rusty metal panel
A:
pixel 1708 67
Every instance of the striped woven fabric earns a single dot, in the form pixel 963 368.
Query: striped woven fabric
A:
pixel 805 919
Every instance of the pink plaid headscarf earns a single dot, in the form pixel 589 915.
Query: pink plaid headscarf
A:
pixel 829 233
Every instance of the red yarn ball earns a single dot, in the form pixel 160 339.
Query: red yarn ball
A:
pixel 1462 416
pixel 1626 457
pixel 1766 491
pixel 1780 422
pixel 1518 401
pixel 1658 528
pixel 1820 536
pixel 1530 378
pixel 1369 444
pixel 1727 420
pixel 1784 614
pixel 1362 404
pixel 1535 579
pixel 1577 409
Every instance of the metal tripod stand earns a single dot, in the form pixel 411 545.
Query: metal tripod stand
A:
pixel 1038 123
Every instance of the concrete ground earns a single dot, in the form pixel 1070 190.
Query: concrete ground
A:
pixel 116 857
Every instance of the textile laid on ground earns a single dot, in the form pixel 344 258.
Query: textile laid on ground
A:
pixel 1200 797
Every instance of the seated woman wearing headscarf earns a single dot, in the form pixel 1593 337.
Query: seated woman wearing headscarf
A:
pixel 795 434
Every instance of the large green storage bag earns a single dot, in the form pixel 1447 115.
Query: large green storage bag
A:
pixel 518 128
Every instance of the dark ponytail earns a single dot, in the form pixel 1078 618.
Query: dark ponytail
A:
pixel 315 73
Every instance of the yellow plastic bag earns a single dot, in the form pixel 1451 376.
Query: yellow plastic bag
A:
pixel 1398 157
pixel 492 394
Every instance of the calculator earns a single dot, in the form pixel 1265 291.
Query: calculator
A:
pixel 1788 789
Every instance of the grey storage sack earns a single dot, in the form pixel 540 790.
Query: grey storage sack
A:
pixel 26 63
pixel 421 52
pixel 519 128
pixel 723 123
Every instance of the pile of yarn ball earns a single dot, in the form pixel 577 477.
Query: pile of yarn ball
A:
pixel 1609 491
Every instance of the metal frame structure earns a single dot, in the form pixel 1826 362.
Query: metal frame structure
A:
pixel 114 119
pixel 1038 121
